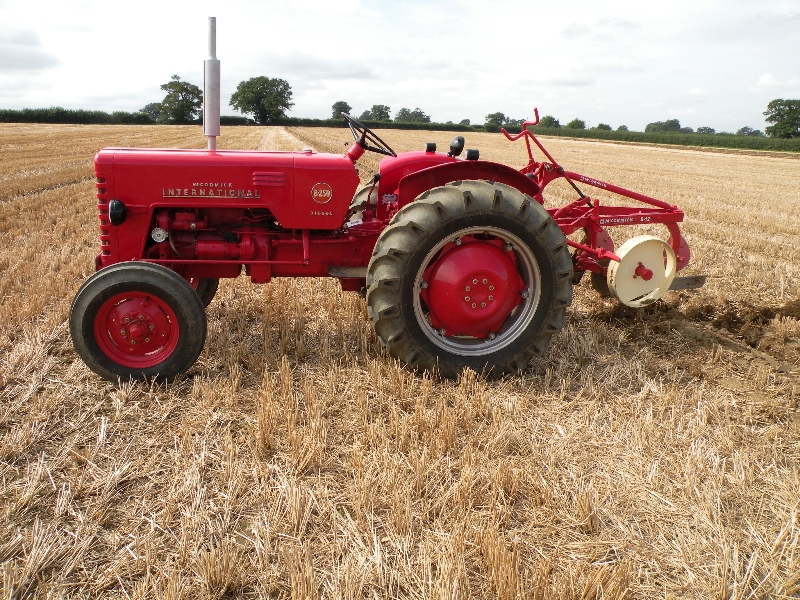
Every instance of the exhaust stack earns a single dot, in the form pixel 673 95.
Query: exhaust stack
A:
pixel 211 88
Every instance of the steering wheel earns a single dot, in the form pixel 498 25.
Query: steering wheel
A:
pixel 366 138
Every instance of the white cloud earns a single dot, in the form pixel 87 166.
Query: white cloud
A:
pixel 619 24
pixel 682 112
pixel 21 50
pixel 768 81
pixel 615 62
pixel 568 80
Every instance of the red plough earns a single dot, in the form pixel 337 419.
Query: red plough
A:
pixel 640 285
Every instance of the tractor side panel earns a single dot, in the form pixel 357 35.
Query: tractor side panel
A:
pixel 324 186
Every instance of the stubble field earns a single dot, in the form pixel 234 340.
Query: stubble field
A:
pixel 650 453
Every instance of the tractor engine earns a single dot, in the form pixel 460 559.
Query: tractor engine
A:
pixel 210 235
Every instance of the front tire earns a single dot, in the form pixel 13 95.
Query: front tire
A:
pixel 137 320
pixel 472 274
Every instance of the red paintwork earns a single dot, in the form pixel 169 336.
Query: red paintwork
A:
pixel 136 330
pixel 413 185
pixel 282 214
pixel 591 215
pixel 643 272
pixel 472 287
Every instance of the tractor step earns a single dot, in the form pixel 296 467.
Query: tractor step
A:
pixel 692 282
pixel 348 272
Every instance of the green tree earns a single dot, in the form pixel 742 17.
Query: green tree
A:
pixel 750 131
pixel 380 112
pixel 497 119
pixel 706 130
pixel 622 128
pixel 576 124
pixel 365 116
pixel 266 98
pixel 183 102
pixel 464 122
pixel 419 116
pixel 668 126
pixel 411 116
pixel 340 107
pixel 603 126
pixel 785 118
pixel 549 121
pixel 152 110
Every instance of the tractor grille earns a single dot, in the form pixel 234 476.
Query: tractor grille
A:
pixel 269 178
pixel 102 210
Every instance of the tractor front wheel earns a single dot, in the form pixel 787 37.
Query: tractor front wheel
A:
pixel 137 320
pixel 472 274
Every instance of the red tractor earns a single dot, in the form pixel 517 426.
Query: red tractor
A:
pixel 461 263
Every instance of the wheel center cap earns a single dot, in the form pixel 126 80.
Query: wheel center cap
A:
pixel 472 287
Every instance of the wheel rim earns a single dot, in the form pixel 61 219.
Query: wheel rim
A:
pixel 136 330
pixel 478 320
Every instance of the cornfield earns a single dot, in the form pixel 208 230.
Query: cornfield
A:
pixel 651 453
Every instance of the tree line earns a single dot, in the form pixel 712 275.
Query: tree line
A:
pixel 784 116
pixel 267 101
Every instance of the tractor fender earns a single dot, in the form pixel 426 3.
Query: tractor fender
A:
pixel 413 185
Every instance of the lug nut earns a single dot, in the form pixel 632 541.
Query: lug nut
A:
pixel 475 281
pixel 525 294
pixel 123 332
pixel 457 241
pixel 423 285
pixel 141 317
pixel 474 305
pixel 442 332
pixel 490 335
pixel 466 288
pixel 483 304
pixel 151 327
pixel 491 297
pixel 133 342
pixel 466 298
pixel 491 288
pixel 485 281
pixel 127 319
pixel 509 247
pixel 146 339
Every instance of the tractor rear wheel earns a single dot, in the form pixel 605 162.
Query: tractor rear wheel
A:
pixel 137 320
pixel 472 274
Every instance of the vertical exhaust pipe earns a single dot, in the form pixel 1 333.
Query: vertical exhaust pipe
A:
pixel 211 87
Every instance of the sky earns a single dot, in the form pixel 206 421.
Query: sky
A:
pixel 708 63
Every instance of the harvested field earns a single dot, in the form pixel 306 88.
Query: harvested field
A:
pixel 651 453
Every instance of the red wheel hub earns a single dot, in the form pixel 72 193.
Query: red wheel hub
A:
pixel 472 287
pixel 136 330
